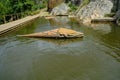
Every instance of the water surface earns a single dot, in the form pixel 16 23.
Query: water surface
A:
pixel 94 57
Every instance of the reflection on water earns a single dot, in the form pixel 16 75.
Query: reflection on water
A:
pixel 59 22
pixel 102 28
pixel 94 57
pixel 62 41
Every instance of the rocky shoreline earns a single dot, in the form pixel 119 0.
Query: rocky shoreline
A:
pixel 92 10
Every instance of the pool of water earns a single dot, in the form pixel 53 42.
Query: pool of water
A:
pixel 94 57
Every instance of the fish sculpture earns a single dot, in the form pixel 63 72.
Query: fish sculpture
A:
pixel 56 33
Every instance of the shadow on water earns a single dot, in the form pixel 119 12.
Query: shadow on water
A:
pixel 62 41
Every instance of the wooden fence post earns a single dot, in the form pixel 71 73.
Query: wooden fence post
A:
pixel 4 18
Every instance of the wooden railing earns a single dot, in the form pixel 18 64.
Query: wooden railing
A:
pixel 13 17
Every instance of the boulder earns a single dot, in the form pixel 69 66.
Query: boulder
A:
pixel 116 6
pixel 61 9
pixel 53 3
pixel 117 16
pixel 95 9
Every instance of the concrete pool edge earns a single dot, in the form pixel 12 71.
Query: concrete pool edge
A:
pixel 15 24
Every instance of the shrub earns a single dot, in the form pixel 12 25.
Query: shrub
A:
pixel 72 7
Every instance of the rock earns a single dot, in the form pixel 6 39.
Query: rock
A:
pixel 116 6
pixel 56 33
pixel 117 14
pixel 117 17
pixel 95 9
pixel 61 9
pixel 53 3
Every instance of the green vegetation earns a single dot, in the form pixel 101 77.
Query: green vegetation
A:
pixel 72 7
pixel 14 9
pixel 110 15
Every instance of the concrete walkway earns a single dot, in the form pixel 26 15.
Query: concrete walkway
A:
pixel 12 25
pixel 105 19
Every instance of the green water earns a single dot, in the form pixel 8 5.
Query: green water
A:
pixel 94 57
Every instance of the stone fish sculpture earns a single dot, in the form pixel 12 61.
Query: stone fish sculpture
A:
pixel 56 33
